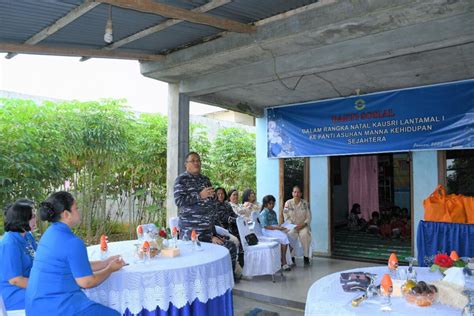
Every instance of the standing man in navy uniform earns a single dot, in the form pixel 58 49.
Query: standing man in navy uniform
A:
pixel 194 196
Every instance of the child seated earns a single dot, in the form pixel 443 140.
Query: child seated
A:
pixel 355 222
pixel 385 228
pixel 374 223
pixel 405 225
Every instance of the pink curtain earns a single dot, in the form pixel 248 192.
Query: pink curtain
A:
pixel 363 184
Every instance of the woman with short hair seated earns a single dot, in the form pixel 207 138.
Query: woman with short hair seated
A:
pixel 17 250
pixel 249 204
pixel 61 266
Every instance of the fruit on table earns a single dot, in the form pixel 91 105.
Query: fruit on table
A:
pixel 421 293
pixel 407 286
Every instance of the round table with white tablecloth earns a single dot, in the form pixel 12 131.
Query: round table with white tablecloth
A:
pixel 194 279
pixel 326 297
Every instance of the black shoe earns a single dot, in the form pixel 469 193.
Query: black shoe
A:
pixel 306 260
pixel 293 260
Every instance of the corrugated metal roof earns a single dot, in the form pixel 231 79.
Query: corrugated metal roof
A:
pixel 89 28
pixel 248 11
pixel 176 36
pixel 19 20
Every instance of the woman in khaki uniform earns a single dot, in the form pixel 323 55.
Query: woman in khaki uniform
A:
pixel 298 213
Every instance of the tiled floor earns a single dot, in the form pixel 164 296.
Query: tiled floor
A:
pixel 287 296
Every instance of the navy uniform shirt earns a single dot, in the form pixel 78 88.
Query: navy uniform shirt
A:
pixel 194 212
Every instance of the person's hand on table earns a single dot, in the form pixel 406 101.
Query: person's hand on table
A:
pixel 116 264
pixel 217 240
pixel 111 258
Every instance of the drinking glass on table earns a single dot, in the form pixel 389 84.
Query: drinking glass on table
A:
pixel 411 275
pixel 136 253
pixel 386 287
pixel 185 236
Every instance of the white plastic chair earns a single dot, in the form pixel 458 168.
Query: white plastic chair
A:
pixel 257 229
pixel 3 310
pixel 260 259
pixel 298 251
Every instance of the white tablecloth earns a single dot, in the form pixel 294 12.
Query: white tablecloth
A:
pixel 326 297
pixel 180 280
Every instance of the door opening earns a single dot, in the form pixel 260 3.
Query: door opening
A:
pixel 371 206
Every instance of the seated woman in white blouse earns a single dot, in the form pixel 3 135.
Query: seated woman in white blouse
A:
pixel 249 204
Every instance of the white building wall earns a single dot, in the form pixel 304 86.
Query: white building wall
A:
pixel 319 202
pixel 425 180
pixel 268 173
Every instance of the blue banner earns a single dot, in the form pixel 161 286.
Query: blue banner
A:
pixel 424 118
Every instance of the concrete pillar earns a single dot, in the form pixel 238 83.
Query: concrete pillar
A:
pixel 178 142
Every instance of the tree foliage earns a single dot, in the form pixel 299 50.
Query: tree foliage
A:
pixel 232 159
pixel 115 161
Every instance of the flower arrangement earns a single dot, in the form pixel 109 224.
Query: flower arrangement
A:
pixel 162 233
pixel 442 262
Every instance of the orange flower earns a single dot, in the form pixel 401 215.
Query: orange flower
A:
pixel 175 231
pixel 393 261
pixel 103 243
pixel 386 284
pixel 146 245
pixel 193 235
pixel 454 255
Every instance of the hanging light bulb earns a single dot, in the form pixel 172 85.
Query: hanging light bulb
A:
pixel 108 36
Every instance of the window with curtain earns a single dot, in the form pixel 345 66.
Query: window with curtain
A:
pixel 460 171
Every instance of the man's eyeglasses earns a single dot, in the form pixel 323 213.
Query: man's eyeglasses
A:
pixel 194 161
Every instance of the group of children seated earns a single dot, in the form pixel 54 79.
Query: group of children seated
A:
pixel 391 222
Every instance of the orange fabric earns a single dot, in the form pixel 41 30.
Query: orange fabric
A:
pixel 455 208
pixel 435 206
pixel 468 202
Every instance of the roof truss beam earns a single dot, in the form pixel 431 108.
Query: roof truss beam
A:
pixel 59 24
pixel 168 23
pixel 76 52
pixel 173 12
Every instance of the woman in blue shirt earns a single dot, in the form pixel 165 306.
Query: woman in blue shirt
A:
pixel 269 221
pixel 17 249
pixel 61 266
